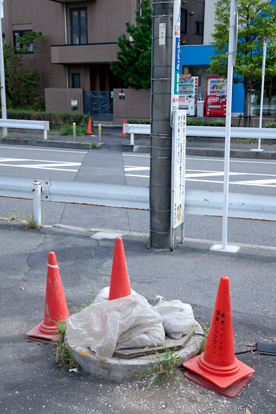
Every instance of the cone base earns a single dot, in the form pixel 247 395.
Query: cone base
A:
pixel 36 334
pixel 221 379
pixel 230 391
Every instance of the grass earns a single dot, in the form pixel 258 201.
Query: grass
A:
pixel 204 339
pixel 68 130
pixel 13 217
pixel 164 367
pixel 63 355
pixel 31 222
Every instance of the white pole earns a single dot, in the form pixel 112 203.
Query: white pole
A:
pixel 231 52
pixel 3 89
pixel 37 203
pixel 262 94
pixel 231 61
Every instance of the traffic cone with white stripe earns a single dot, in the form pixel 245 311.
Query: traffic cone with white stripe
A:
pixel 55 304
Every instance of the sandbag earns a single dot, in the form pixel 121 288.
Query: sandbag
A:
pixel 177 317
pixel 128 322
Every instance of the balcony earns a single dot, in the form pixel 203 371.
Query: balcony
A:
pixel 90 53
pixel 71 1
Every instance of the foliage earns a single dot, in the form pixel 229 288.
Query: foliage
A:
pixel 256 20
pixel 164 367
pixel 270 125
pixel 135 51
pixel 20 83
pixel 138 121
pixel 56 120
pixel 31 222
pixel 204 339
pixel 67 129
pixel 190 122
pixel 63 354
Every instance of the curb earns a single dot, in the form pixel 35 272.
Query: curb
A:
pixel 120 369
pixel 46 143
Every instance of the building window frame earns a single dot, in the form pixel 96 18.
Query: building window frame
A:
pixel 19 47
pixel 183 21
pixel 78 25
pixel 199 28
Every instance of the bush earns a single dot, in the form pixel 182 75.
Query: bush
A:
pixel 56 120
pixel 190 122
pixel 270 125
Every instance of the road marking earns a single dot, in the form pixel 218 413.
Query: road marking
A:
pixel 42 149
pixel 130 168
pixel 47 164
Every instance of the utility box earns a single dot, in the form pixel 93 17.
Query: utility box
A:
pixel 200 107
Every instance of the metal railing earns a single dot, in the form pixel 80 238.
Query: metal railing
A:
pixel 197 202
pixel 25 124
pixel 203 131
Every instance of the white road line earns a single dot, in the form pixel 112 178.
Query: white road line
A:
pixel 38 167
pixel 43 149
pixel 136 175
pixel 129 168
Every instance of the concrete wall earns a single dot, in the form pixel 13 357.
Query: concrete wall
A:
pixel 135 105
pixel 59 100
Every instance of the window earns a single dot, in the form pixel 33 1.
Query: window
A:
pixel 75 80
pixel 78 20
pixel 184 21
pixel 199 28
pixel 19 45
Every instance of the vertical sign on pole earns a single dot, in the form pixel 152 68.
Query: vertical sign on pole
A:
pixel 178 172
pixel 175 58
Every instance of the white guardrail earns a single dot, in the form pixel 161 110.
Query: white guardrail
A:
pixel 203 131
pixel 25 124
pixel 246 206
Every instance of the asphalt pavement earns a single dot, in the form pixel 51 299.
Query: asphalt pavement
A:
pixel 31 379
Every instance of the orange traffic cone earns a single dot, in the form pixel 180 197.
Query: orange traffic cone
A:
pixel 89 128
pixel 217 368
pixel 119 284
pixel 123 134
pixel 55 304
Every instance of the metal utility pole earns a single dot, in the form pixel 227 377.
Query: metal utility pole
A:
pixel 232 50
pixel 161 131
pixel 3 88
pixel 262 94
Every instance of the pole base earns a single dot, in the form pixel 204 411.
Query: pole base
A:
pixel 228 249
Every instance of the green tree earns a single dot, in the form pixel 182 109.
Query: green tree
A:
pixel 257 24
pixel 19 83
pixel 135 51
pixel 33 40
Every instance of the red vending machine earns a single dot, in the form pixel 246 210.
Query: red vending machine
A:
pixel 215 96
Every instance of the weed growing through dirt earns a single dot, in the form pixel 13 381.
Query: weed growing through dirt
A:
pixel 13 217
pixel 31 222
pixel 164 368
pixel 204 339
pixel 63 355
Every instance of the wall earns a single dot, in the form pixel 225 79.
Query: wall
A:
pixel 136 104
pixel 59 100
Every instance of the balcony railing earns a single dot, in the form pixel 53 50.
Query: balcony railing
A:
pixel 89 53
